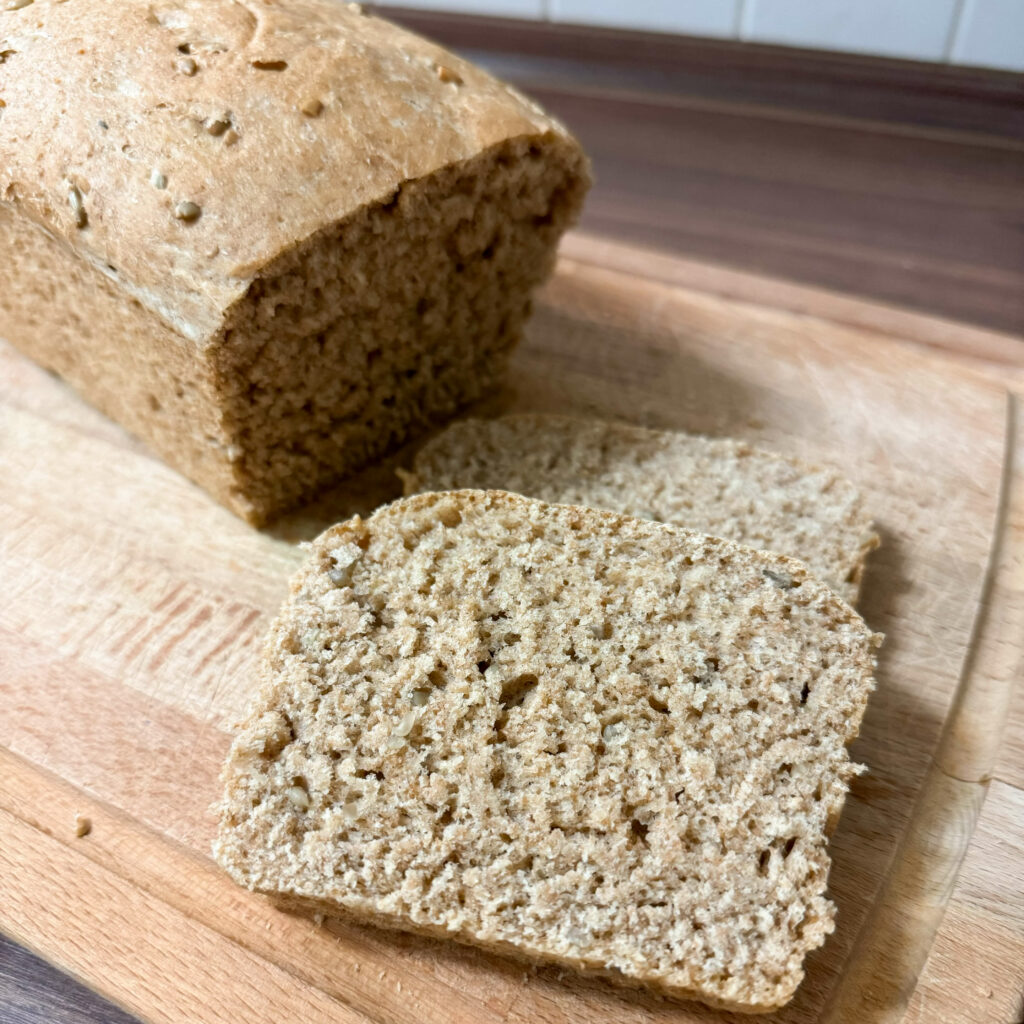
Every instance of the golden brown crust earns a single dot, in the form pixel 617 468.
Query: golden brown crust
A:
pixel 102 104
pixel 130 365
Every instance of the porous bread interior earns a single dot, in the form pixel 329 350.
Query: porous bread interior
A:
pixel 391 320
pixel 581 737
pixel 719 486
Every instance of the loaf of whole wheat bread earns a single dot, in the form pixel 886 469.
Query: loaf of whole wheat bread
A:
pixel 271 239
pixel 556 732
pixel 718 486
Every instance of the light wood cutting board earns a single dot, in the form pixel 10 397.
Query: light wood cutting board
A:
pixel 132 610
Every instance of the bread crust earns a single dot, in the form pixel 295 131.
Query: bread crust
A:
pixel 103 99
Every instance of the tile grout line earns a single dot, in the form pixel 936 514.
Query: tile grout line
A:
pixel 963 10
pixel 744 22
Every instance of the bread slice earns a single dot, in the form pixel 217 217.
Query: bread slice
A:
pixel 560 733
pixel 722 487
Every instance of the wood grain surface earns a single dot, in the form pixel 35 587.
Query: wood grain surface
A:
pixel 134 609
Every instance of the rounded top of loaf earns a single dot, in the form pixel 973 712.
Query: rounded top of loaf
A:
pixel 181 145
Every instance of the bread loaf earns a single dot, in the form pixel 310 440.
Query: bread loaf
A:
pixel 270 239
pixel 719 486
pixel 559 733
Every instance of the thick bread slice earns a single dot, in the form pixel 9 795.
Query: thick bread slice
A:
pixel 722 487
pixel 559 733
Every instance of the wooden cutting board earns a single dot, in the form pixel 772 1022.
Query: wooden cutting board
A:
pixel 132 610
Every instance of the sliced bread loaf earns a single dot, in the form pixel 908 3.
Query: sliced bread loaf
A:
pixel 271 239
pixel 721 487
pixel 559 733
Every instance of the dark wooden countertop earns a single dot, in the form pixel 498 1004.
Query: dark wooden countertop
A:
pixel 34 992
pixel 899 182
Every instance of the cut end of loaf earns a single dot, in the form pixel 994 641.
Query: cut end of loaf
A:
pixel 558 733
pixel 389 321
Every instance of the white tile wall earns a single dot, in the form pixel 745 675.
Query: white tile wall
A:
pixel 918 29
pixel 695 17
pixel 496 8
pixel 991 33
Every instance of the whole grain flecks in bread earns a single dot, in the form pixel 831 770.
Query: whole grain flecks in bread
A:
pixel 723 487
pixel 270 239
pixel 559 733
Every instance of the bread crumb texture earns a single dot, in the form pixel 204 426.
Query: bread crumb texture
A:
pixel 560 733
pixel 719 486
